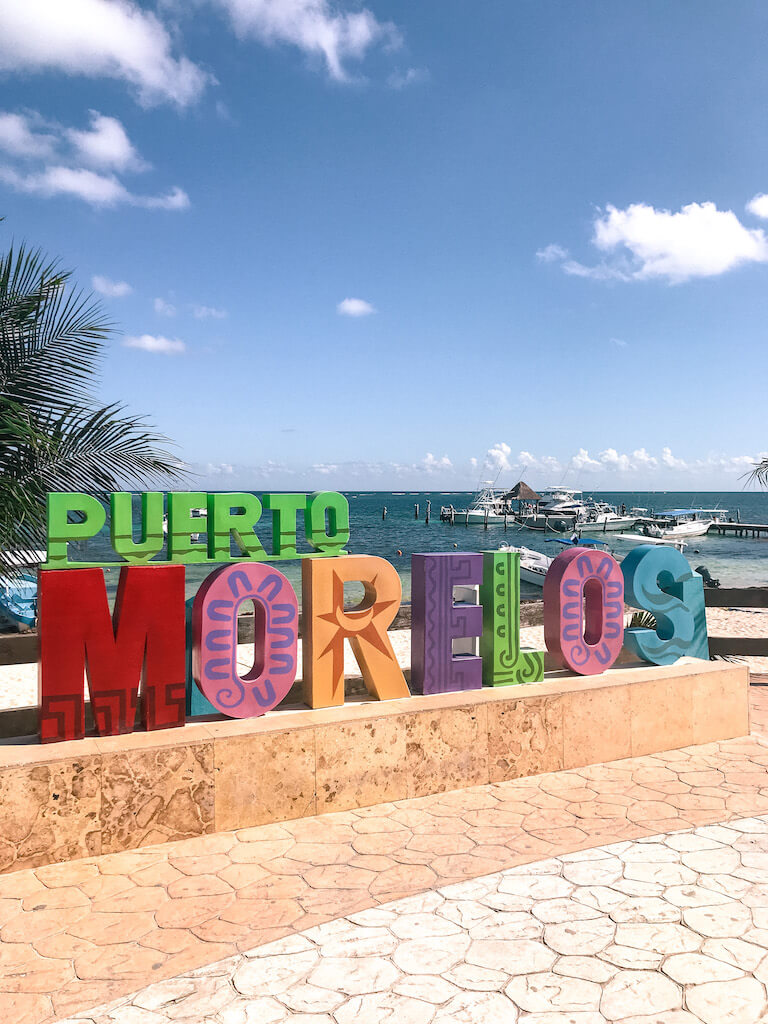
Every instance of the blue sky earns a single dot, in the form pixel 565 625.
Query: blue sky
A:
pixel 381 245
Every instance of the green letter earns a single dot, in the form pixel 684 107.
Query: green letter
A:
pixel 121 526
pixel 503 660
pixel 284 508
pixel 61 531
pixel 234 515
pixel 182 524
pixel 331 542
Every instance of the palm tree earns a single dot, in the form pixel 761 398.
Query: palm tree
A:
pixel 54 434
pixel 760 473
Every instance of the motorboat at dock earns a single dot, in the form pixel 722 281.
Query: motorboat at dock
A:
pixel 679 523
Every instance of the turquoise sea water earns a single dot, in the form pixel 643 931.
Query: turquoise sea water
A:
pixel 736 561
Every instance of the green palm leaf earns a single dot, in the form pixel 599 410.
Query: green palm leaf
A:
pixel 54 435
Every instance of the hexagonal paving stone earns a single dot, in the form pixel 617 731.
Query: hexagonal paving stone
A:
pixel 580 937
pixel 274 974
pixel 471 1008
pixel 522 956
pixel 695 969
pixel 645 910
pixel 419 926
pixel 539 993
pixel 380 1007
pixel 658 938
pixel 730 920
pixel 727 1002
pixel 632 993
pixel 357 977
pixel 427 956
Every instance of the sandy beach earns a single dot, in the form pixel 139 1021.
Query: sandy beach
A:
pixel 18 683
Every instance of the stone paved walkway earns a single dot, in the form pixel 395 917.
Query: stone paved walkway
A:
pixel 673 928
pixel 78 935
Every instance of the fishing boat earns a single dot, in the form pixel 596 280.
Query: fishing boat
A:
pixel 534 565
pixel 681 522
pixel 599 515
pixel 489 505
pixel 639 538
pixel 560 509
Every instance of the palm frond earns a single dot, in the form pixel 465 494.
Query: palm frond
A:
pixel 759 474
pixel 54 436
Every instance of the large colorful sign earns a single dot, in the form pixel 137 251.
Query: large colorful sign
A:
pixel 136 657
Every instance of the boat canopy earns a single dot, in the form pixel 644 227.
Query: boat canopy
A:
pixel 692 511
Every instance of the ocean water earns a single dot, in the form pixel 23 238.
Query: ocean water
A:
pixel 736 561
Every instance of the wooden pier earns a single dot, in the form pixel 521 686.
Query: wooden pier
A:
pixel 739 529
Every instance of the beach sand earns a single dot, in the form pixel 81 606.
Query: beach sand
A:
pixel 18 683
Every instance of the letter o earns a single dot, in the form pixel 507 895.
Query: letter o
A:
pixel 214 643
pixel 584 610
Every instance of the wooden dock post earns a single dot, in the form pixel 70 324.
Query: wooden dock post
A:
pixel 416 511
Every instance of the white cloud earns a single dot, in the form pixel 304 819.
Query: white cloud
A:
pixel 431 464
pixel 582 460
pixel 112 289
pixel 208 312
pixel 164 308
pixel 354 307
pixel 697 241
pixel 552 253
pixel 758 205
pixel 53 160
pixel 105 145
pixel 670 461
pixel 497 457
pixel 19 136
pixel 619 342
pixel 616 271
pixel 93 188
pixel 402 79
pixel 643 460
pixel 317 27
pixel 156 344
pixel 643 243
pixel 98 38
pixel 611 459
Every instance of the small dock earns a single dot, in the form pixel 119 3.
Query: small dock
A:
pixel 757 530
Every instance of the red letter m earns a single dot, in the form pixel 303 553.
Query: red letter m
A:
pixel 145 643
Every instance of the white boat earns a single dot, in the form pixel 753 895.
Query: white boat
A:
pixel 488 506
pixel 533 564
pixel 600 516
pixel 560 510
pixel 639 538
pixel 682 522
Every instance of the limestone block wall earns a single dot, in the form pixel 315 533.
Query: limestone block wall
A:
pixel 103 795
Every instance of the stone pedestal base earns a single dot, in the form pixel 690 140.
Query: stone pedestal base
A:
pixel 92 796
